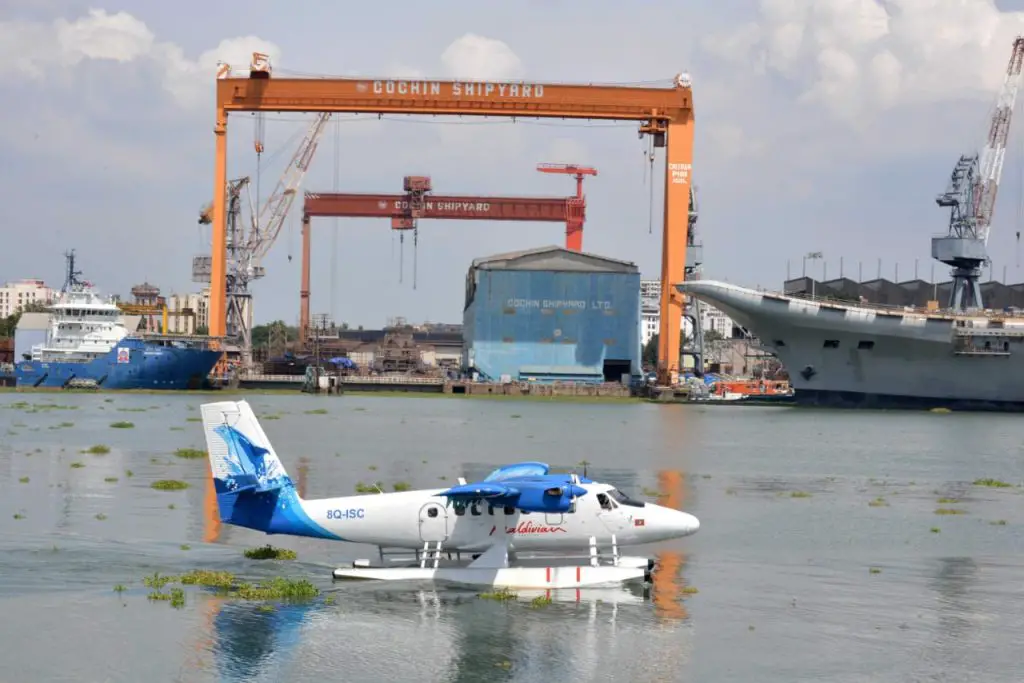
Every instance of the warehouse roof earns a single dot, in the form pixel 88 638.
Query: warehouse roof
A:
pixel 554 258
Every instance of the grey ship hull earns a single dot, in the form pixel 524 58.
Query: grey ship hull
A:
pixel 851 356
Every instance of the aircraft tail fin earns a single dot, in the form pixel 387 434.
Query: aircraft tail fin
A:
pixel 241 456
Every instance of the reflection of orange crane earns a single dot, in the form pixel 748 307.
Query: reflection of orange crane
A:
pixel 577 208
pixel 666 114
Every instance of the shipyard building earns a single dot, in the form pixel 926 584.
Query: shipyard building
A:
pixel 551 314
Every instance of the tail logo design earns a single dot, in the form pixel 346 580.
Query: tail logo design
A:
pixel 248 467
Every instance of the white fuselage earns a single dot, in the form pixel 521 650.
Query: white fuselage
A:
pixel 410 519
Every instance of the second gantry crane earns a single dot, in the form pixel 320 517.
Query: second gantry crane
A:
pixel 971 196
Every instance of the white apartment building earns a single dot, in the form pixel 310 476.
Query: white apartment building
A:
pixel 650 314
pixel 179 321
pixel 14 295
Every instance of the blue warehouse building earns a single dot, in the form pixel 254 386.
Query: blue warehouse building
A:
pixel 551 314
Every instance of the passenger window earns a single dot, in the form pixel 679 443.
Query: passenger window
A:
pixel 510 509
pixel 572 506
pixel 432 512
pixel 460 509
pixel 474 510
pixel 831 344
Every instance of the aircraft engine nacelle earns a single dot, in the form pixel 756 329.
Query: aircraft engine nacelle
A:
pixel 553 499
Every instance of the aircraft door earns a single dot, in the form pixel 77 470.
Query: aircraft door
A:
pixel 433 523
pixel 611 515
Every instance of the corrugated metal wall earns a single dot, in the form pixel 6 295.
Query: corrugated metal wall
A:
pixel 551 323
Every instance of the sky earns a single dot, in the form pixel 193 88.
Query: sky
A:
pixel 820 127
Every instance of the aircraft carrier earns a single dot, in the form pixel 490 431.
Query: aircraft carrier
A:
pixel 965 357
pixel 865 356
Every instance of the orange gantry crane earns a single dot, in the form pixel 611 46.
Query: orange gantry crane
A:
pixel 417 202
pixel 665 113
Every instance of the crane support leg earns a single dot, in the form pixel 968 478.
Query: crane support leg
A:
pixel 304 287
pixel 219 251
pixel 678 176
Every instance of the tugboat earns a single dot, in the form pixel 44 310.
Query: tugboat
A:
pixel 88 345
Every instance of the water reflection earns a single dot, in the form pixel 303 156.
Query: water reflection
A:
pixel 257 640
pixel 957 615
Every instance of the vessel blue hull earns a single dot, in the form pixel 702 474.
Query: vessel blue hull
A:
pixel 132 364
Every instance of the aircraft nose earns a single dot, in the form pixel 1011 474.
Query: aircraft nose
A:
pixel 685 523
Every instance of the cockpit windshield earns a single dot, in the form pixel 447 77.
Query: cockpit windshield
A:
pixel 622 499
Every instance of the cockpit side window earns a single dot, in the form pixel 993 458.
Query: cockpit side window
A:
pixel 606 504
pixel 623 499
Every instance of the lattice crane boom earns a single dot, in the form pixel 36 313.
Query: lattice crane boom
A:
pixel 271 218
pixel 994 153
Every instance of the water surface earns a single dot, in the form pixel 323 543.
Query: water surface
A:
pixel 820 555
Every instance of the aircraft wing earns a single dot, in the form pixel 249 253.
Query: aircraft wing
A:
pixel 527 486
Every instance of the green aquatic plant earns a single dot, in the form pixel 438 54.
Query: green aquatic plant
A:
pixel 18 515
pixel 369 488
pixel 98 449
pixel 100 516
pixel 169 485
pixel 874 570
pixel 122 424
pixel 501 595
pixel 689 590
pixel 992 483
pixel 948 501
pixel 317 411
pixel 185 546
pixel 190 453
pixel 23 480
pixel 193 419
pixel 878 502
pixel 131 410
pixel 269 552
pixel 129 473
pixel 541 601
pixel 77 465
pixel 950 511
pixel 936 529
pixel 110 480
pixel 998 522
pixel 119 588
pixel 63 425
pixel 402 486
pixel 156 581
pixel 799 494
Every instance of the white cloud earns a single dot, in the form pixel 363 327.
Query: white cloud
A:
pixel 480 58
pixel 857 58
pixel 34 50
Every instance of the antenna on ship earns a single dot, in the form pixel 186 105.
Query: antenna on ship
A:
pixel 71 277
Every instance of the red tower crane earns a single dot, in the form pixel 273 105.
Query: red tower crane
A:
pixel 417 202
pixel 577 209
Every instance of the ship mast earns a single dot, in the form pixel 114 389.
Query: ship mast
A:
pixel 971 197
pixel 71 280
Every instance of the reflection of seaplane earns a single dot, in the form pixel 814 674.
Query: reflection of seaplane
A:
pixel 521 507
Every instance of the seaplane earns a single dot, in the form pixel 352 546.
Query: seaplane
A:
pixel 522 527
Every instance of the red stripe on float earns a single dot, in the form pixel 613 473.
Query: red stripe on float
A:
pixel 548 579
